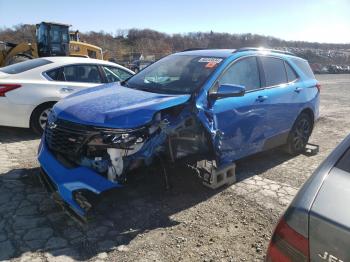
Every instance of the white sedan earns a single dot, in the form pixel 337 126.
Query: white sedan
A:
pixel 29 89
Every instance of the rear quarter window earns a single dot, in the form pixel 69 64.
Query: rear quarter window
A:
pixel 56 74
pixel 24 66
pixel 304 66
pixel 344 162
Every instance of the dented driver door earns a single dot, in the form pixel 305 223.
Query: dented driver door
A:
pixel 240 122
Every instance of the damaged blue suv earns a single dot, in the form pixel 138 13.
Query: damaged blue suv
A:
pixel 207 108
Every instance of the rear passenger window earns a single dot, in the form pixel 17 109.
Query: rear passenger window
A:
pixel 82 73
pixel 275 73
pixel 291 75
pixel 244 72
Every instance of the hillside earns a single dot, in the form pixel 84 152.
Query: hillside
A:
pixel 126 45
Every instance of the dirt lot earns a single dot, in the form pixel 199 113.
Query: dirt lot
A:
pixel 145 223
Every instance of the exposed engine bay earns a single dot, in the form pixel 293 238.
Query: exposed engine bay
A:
pixel 94 159
pixel 174 134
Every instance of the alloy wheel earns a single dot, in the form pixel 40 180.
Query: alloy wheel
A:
pixel 43 117
pixel 301 134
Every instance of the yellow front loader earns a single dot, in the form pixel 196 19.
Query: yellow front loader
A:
pixel 52 39
pixel 78 48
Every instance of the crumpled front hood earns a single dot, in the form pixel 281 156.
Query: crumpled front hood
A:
pixel 115 106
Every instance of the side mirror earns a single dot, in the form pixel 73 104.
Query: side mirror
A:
pixel 228 90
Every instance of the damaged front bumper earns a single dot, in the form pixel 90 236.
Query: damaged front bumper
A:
pixel 77 160
pixel 66 183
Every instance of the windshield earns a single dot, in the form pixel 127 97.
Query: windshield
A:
pixel 175 74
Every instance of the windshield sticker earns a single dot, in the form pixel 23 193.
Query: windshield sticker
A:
pixel 211 65
pixel 210 60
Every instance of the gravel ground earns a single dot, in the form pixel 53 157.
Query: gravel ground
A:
pixel 145 223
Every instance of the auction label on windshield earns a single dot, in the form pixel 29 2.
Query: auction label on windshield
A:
pixel 210 60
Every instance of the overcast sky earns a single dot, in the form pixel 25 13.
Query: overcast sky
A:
pixel 307 20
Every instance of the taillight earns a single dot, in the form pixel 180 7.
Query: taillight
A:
pixel 318 85
pixel 287 245
pixel 4 88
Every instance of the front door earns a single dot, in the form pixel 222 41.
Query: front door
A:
pixel 240 122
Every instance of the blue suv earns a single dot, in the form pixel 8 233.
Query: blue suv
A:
pixel 205 107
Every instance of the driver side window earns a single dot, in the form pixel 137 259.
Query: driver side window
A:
pixel 115 74
pixel 244 72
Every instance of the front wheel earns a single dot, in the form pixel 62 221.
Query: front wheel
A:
pixel 39 118
pixel 299 135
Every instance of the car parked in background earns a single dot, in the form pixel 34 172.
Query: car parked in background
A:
pixel 316 225
pixel 29 89
pixel 138 65
pixel 208 108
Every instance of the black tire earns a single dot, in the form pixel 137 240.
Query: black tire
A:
pixel 17 59
pixel 36 118
pixel 299 135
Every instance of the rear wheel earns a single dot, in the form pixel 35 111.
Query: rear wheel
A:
pixel 39 117
pixel 299 135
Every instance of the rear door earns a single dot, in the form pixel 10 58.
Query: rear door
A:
pixel 329 230
pixel 72 78
pixel 240 121
pixel 283 101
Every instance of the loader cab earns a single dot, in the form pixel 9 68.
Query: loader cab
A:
pixel 74 36
pixel 52 39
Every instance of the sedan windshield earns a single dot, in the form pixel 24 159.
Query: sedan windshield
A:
pixel 175 74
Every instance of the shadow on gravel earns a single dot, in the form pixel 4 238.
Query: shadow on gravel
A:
pixel 261 162
pixel 31 221
pixel 14 134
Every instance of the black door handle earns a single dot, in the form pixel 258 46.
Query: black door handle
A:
pixel 261 98
pixel 298 89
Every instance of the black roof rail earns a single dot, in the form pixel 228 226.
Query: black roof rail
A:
pixel 263 49
pixel 194 49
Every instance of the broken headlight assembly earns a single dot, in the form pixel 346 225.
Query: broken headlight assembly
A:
pixel 123 141
pixel 106 152
pixel 109 152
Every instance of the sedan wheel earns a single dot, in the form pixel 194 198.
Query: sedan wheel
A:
pixel 43 117
pixel 39 117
